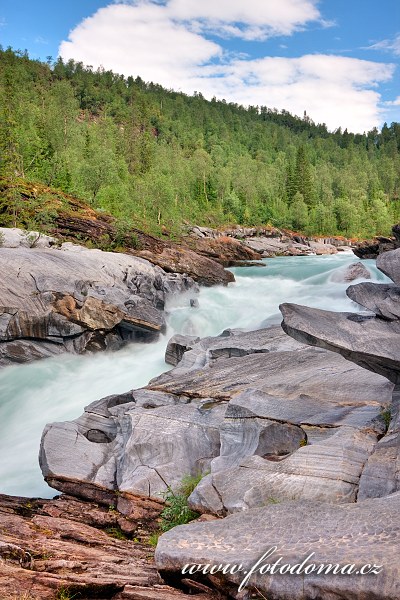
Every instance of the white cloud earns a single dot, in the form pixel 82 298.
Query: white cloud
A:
pixel 139 40
pixel 392 45
pixel 160 43
pixel 251 19
pixel 332 89
pixel 395 102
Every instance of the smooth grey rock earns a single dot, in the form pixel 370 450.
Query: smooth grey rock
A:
pixel 233 343
pixel 146 446
pixel 12 237
pixel 266 245
pixel 381 475
pixel 177 346
pixel 389 263
pixel 329 470
pixel 245 403
pixel 81 299
pixel 363 533
pixel 358 338
pixel 317 380
pixel 350 273
pixel 322 248
pixel 23 351
pixel 382 299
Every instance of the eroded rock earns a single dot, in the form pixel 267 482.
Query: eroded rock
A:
pixel 67 547
pixel 358 338
pixel 74 299
pixel 348 534
pixel 257 410
pixel 382 299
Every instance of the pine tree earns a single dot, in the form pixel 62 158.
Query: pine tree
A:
pixel 302 176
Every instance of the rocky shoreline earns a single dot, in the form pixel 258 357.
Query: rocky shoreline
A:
pixel 265 242
pixel 297 447
pixel 72 299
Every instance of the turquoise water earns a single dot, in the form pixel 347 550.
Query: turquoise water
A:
pixel 57 389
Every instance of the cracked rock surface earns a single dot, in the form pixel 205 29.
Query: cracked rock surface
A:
pixel 68 548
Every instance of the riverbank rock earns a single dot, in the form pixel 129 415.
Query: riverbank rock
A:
pixel 379 245
pixel 381 474
pixel 382 299
pixel 178 259
pixel 74 299
pixel 66 547
pixel 356 337
pixel 177 346
pixel 260 413
pixel 12 237
pixel 359 534
pixel 373 343
pixel 261 241
pixel 226 250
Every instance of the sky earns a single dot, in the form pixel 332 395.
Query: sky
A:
pixel 338 60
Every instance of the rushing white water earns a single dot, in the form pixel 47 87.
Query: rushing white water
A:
pixel 57 389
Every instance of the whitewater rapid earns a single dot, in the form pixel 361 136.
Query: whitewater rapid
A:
pixel 57 389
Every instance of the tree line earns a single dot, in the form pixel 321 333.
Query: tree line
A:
pixel 158 158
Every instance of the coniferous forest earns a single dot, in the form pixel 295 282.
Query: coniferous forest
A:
pixel 157 158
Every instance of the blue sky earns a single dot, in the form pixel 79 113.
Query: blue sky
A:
pixel 336 59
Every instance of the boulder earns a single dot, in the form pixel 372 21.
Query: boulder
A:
pixel 358 338
pixel 389 263
pixel 322 248
pixel 12 237
pixel 177 346
pixel 297 531
pixel 382 299
pixel 227 251
pixel 142 445
pixel 178 259
pixel 350 273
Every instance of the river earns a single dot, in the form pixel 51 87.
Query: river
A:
pixel 57 389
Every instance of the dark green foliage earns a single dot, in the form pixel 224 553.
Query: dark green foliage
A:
pixel 116 532
pixel 177 511
pixel 386 415
pixel 156 158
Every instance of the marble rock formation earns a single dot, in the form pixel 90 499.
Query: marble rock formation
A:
pixel 351 461
pixel 73 299
pixel 258 413
pixel 361 534
pixel 372 342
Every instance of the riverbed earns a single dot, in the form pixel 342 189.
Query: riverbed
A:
pixel 57 389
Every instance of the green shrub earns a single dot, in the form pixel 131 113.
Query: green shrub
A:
pixel 177 511
pixel 116 532
pixel 386 415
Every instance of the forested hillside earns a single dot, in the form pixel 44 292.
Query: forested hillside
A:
pixel 154 157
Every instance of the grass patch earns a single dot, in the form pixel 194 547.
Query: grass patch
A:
pixel 386 415
pixel 177 511
pixel 153 539
pixel 116 532
pixel 65 594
